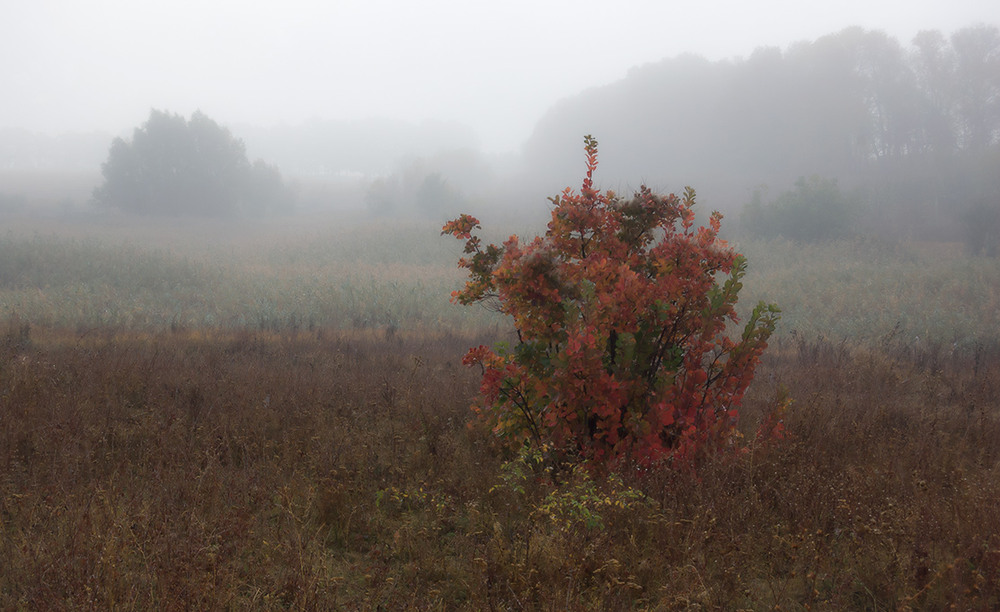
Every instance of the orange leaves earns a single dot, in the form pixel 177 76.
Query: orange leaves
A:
pixel 620 317
pixel 477 356
pixel 462 227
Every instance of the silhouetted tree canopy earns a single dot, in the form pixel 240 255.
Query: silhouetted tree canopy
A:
pixel 916 129
pixel 178 167
pixel 433 187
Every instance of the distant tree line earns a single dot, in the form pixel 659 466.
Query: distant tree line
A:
pixel 915 130
pixel 815 209
pixel 434 187
pixel 363 147
pixel 175 166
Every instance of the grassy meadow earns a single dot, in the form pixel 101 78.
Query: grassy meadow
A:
pixel 200 415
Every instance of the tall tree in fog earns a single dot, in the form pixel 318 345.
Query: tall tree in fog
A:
pixel 977 85
pixel 176 166
pixel 914 127
pixel 934 66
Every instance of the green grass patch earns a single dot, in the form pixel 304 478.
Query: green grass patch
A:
pixel 369 273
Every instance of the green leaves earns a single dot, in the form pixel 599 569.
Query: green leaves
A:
pixel 762 322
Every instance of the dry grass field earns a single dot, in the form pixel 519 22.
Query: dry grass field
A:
pixel 223 428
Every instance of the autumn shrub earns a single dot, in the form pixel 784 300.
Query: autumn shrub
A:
pixel 621 312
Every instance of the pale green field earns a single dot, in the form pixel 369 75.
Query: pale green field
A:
pixel 301 273
pixel 362 273
pixel 873 291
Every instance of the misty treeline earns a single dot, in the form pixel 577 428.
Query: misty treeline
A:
pixel 434 186
pixel 906 139
pixel 855 132
pixel 430 169
pixel 177 166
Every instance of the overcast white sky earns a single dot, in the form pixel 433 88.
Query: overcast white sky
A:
pixel 495 66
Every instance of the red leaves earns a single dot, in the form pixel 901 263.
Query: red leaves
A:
pixel 477 356
pixel 462 227
pixel 622 354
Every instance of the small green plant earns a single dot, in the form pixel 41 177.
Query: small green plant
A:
pixel 621 311
pixel 529 463
pixel 580 504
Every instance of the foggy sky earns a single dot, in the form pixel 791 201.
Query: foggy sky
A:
pixel 495 66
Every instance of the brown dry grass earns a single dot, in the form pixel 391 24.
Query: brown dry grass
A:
pixel 336 470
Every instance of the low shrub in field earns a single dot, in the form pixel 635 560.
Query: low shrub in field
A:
pixel 622 352
pixel 981 226
pixel 816 210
